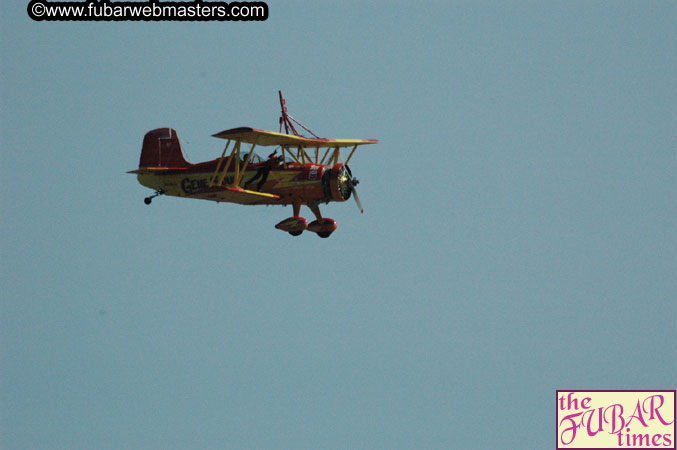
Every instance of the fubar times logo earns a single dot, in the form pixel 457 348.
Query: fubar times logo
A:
pixel 615 419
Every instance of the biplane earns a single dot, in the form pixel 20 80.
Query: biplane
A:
pixel 300 171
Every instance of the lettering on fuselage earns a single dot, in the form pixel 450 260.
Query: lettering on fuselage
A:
pixel 190 186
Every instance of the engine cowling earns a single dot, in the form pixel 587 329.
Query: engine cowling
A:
pixel 336 183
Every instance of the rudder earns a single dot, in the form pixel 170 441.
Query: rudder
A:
pixel 162 148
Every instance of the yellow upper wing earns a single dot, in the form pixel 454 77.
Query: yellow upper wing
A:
pixel 266 138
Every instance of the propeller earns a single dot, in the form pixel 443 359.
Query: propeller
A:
pixel 357 200
pixel 347 186
pixel 352 182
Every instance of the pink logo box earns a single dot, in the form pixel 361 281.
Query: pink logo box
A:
pixel 610 419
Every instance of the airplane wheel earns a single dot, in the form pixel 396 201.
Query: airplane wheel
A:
pixel 147 200
pixel 295 233
pixel 324 234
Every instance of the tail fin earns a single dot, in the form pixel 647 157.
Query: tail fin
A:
pixel 161 148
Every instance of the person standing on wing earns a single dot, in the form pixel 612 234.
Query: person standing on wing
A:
pixel 264 170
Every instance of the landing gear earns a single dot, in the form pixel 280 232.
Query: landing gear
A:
pixel 148 200
pixel 323 226
pixel 296 224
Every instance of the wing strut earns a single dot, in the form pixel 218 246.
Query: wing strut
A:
pixel 351 154
pixel 234 153
pixel 218 166
pixel 246 163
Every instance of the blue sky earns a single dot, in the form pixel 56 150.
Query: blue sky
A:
pixel 518 235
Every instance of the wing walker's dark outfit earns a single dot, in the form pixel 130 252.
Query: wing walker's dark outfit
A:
pixel 262 173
